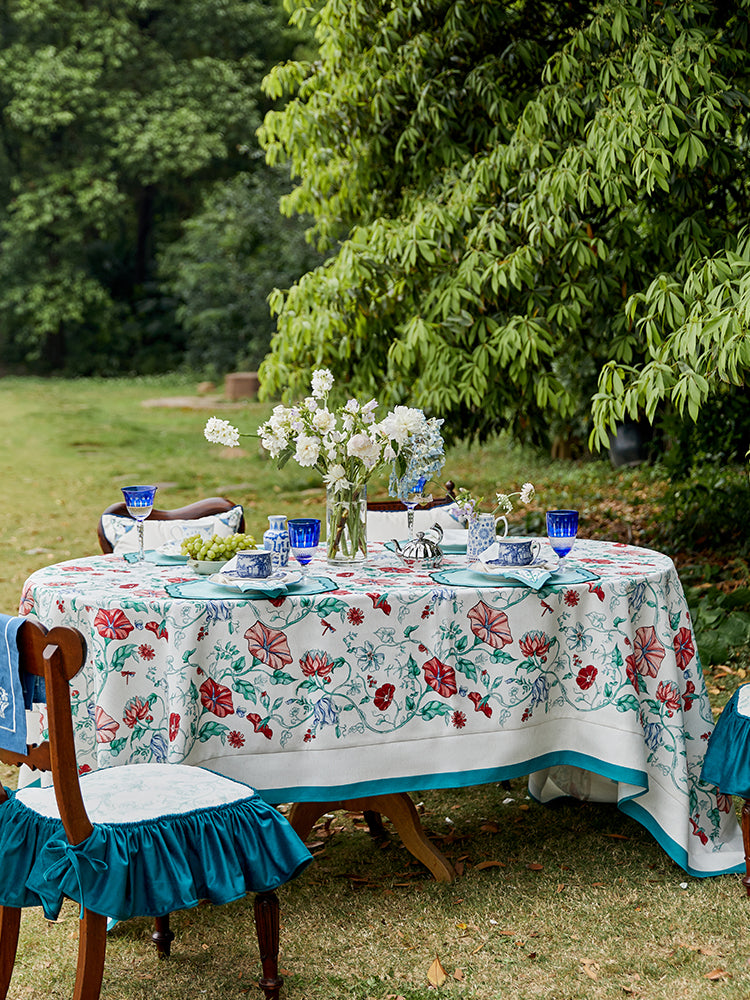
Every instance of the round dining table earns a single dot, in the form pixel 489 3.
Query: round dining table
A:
pixel 360 684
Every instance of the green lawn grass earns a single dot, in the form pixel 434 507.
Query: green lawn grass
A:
pixel 577 901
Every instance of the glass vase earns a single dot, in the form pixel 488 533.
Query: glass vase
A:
pixel 346 525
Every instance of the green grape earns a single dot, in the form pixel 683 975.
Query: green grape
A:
pixel 216 548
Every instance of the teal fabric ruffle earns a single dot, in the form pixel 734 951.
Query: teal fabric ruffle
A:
pixel 150 868
pixel 727 760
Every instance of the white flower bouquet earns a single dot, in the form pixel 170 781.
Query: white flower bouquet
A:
pixel 347 445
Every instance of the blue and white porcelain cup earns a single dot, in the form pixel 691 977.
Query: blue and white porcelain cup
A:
pixel 253 564
pixel 515 552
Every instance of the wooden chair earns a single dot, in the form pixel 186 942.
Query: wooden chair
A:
pixel 192 512
pixel 85 837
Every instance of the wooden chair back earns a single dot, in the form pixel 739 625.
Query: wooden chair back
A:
pixel 56 655
pixel 395 506
pixel 191 512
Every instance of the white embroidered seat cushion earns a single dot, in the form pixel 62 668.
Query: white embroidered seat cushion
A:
pixel 122 532
pixel 383 525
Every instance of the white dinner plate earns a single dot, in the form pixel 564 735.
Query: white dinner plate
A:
pixel 281 578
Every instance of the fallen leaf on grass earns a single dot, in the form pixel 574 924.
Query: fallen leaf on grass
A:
pixel 535 867
pixel 717 975
pixel 590 967
pixel 489 864
pixel 616 836
pixel 459 975
pixel 489 828
pixel 436 974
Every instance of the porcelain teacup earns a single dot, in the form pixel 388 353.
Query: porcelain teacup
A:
pixel 514 552
pixel 253 564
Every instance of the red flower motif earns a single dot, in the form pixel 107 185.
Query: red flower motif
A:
pixel 490 626
pixel 276 601
pixel 535 644
pixel 236 739
pixel 256 721
pixel 106 727
pixel 572 597
pixel 316 662
pixel 595 588
pixel 216 698
pixel 440 677
pixel 112 624
pixel 459 720
pixel 27 604
pixel 689 695
pixel 384 696
pixel 684 649
pixel 268 645
pixel 174 726
pixel 355 616
pixel 135 710
pixel 158 628
pixel 632 672
pixel 698 832
pixel 724 802
pixel 480 705
pixel 648 651
pixel 146 652
pixel 378 601
pixel 586 677
pixel 669 694
pixel 84 769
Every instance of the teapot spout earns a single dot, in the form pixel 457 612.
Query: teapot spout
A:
pixel 396 546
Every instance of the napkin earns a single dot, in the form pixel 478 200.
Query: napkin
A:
pixel 463 576
pixel 204 589
pixel 12 706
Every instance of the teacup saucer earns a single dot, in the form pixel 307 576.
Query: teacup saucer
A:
pixel 493 567
pixel 281 578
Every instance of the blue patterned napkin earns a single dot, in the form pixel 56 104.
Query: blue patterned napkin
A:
pixel 534 579
pixel 205 590
pixel 12 706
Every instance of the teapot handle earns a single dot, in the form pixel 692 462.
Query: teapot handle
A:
pixel 435 530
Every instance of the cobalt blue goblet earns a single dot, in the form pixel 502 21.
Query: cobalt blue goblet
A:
pixel 139 501
pixel 562 528
pixel 304 535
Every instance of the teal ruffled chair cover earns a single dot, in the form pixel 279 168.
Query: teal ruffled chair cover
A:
pixel 165 837
pixel 727 760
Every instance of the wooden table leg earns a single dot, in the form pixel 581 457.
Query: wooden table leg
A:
pixel 399 809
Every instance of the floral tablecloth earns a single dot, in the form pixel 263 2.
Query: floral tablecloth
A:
pixel 392 680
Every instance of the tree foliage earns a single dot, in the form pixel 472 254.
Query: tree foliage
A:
pixel 525 197
pixel 113 118
pixel 231 256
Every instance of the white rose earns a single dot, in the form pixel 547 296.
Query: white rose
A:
pixel 307 451
pixel 324 421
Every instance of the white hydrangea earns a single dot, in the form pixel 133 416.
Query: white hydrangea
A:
pixel 219 431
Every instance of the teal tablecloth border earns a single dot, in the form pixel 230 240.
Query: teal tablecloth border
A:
pixel 203 590
pixel 504 772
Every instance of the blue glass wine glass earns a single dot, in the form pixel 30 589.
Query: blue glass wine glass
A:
pixel 412 499
pixel 139 501
pixel 562 528
pixel 304 535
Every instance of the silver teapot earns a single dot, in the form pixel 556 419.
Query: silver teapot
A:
pixel 423 551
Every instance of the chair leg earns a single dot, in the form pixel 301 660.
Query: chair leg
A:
pixel 162 936
pixel 267 929
pixel 10 923
pixel 92 947
pixel 746 842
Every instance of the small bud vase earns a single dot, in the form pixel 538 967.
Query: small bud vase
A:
pixel 346 525
pixel 276 540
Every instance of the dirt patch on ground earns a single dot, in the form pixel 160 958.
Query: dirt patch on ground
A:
pixel 195 403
